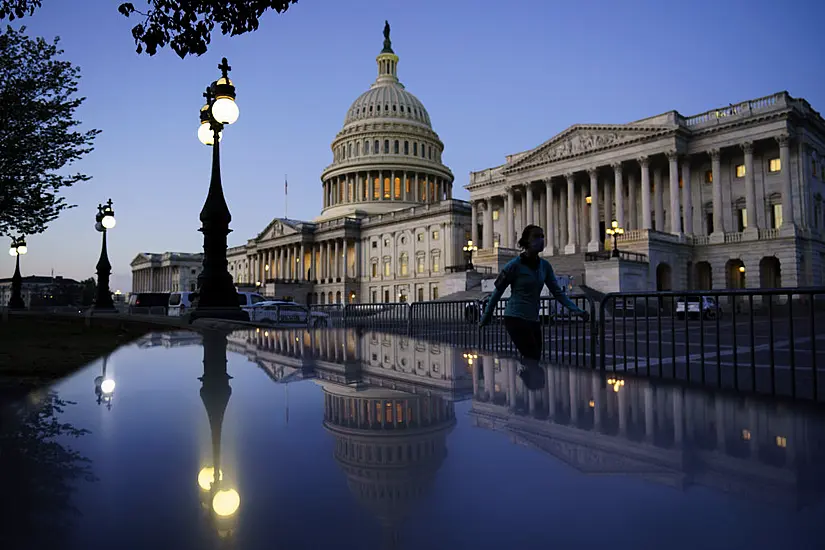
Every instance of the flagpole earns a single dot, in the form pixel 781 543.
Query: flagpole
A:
pixel 286 197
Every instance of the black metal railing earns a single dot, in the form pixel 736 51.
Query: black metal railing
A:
pixel 485 269
pixel 625 255
pixel 757 340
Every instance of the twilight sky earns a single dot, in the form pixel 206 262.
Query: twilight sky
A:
pixel 497 78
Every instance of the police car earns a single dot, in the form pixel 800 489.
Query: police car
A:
pixel 277 312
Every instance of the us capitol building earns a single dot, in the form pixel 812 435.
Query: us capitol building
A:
pixel 729 198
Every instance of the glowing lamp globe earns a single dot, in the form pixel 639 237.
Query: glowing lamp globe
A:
pixel 226 503
pixel 108 221
pixel 22 249
pixel 225 110
pixel 206 477
pixel 107 386
pixel 12 252
pixel 206 135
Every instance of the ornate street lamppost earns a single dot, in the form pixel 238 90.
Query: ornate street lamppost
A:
pixel 217 295
pixel 18 248
pixel 614 231
pixel 104 220
pixel 469 248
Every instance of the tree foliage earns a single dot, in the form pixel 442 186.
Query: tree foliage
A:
pixel 38 135
pixel 185 25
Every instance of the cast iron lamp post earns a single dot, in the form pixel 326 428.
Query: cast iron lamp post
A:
pixel 469 248
pixel 104 220
pixel 614 231
pixel 18 248
pixel 217 297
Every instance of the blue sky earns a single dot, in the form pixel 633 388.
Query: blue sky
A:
pixel 496 77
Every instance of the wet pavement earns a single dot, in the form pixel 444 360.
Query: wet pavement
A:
pixel 357 439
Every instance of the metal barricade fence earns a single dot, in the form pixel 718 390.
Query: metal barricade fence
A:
pixel 758 340
pixel 388 315
pixel 334 314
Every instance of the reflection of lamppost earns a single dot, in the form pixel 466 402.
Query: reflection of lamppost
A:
pixel 104 220
pixel 104 387
pixel 215 392
pixel 18 248
pixel 469 248
pixel 616 383
pixel 217 294
pixel 614 231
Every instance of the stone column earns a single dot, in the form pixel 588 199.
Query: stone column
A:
pixel 716 175
pixel 529 202
pixel 488 226
pixel 474 222
pixel 607 187
pixel 633 198
pixel 336 260
pixel 675 209
pixel 750 189
pixel 687 198
pixel 510 230
pixel 542 220
pixel 659 199
pixel 562 225
pixel 357 271
pixel 619 190
pixel 595 244
pixel 345 260
pixel 571 247
pixel 785 175
pixel 550 228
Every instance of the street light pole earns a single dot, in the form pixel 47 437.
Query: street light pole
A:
pixel 614 231
pixel 469 248
pixel 104 220
pixel 18 248
pixel 218 297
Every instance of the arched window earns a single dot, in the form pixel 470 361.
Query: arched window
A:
pixel 403 263
pixel 366 147
pixel 395 147
pixel 349 150
pixel 406 147
pixel 386 147
pixel 375 149
pixel 415 149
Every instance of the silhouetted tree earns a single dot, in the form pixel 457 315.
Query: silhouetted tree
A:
pixel 37 133
pixel 39 471
pixel 88 292
pixel 185 25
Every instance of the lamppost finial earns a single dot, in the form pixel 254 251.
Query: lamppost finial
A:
pixel 225 68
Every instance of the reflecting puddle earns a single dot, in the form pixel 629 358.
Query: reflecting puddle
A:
pixel 355 439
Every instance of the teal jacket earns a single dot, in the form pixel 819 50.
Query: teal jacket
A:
pixel 525 295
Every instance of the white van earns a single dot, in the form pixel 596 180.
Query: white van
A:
pixel 248 299
pixel 180 303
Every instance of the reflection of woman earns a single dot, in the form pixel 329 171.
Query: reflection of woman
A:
pixel 526 275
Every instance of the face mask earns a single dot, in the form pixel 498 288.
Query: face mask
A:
pixel 537 245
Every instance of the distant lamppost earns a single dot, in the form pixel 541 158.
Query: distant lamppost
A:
pixel 614 231
pixel 18 248
pixel 104 220
pixel 217 294
pixel 469 248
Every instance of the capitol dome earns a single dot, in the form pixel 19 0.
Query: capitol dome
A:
pixel 387 156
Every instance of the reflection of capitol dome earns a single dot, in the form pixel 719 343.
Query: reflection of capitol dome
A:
pixel 390 444
pixel 387 156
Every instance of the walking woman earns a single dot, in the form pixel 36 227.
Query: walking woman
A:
pixel 526 275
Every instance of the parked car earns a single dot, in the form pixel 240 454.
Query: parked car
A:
pixel 287 314
pixel 246 299
pixel 706 306
pixel 180 303
pixel 148 302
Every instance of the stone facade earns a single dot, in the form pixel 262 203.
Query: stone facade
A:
pixel 701 196
pixel 166 272
pixel 389 229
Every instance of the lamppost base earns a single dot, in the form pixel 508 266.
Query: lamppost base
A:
pixel 228 314
pixel 17 302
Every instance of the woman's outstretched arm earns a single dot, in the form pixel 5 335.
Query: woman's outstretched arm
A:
pixel 559 294
pixel 502 282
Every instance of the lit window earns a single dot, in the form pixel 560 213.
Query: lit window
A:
pixel 709 176
pixel 420 267
pixel 397 188
pixel 420 237
pixel 375 270
pixel 781 441
pixel 386 243
pixel 386 269
pixel 742 219
pixel 777 216
pixel 746 435
pixel 774 165
pixel 403 262
pixel 435 264
pixel 435 235
pixel 386 188
pixel 740 170
pixel 435 293
pixel 495 215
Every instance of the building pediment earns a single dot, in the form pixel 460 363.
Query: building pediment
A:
pixel 584 139
pixel 141 259
pixel 279 227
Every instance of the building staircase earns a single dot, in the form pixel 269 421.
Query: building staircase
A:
pixel 571 265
